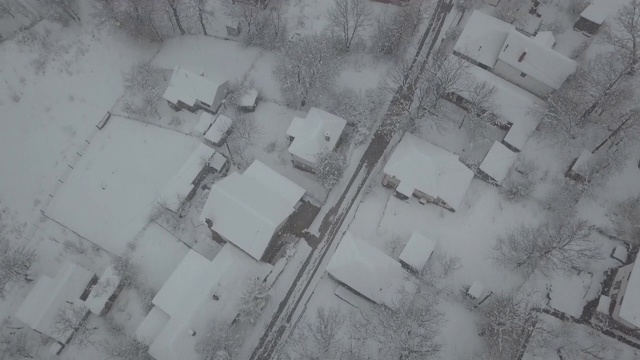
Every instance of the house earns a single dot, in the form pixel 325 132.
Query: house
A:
pixel 418 168
pixel 182 187
pixel 204 123
pixel 248 100
pixel 192 92
pixel 416 252
pixel 592 17
pixel 369 272
pixel 49 296
pixel 248 209
pixel 498 162
pixel 625 293
pixel 580 168
pixel 217 133
pixel 312 136
pixel 529 62
pixel 105 291
pixel 198 293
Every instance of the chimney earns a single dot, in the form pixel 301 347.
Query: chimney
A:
pixel 327 136
pixel 524 53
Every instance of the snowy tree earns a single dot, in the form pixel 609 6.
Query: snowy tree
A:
pixel 308 67
pixel 349 18
pixel 61 11
pixel 123 347
pixel 330 168
pixel 440 267
pixel 253 299
pixel 521 182
pixel 14 346
pixel 509 10
pixel 624 34
pixel 220 343
pixel 246 13
pixel 392 32
pixel 553 247
pixel 624 215
pixel 245 129
pixel 480 103
pixel 13 8
pixel 359 110
pixel 139 18
pixel 72 319
pixel 15 262
pixel 318 337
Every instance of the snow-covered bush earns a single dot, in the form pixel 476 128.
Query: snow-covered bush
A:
pixel 330 168
pixel 253 299
pixel 521 182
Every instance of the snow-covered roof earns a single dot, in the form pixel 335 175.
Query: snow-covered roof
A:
pixel 482 38
pixel 177 189
pixel 248 209
pixel 520 132
pixel 498 162
pixel 187 298
pixel 604 303
pixel 49 295
pixel 152 325
pixel 103 290
pixel 417 251
pixel 475 290
pixel 369 271
pixel 629 309
pixel 219 129
pixel 620 253
pixel 249 98
pixel 545 38
pixel 597 11
pixel 540 62
pixel 568 293
pixel 310 134
pixel 188 87
pixel 581 166
pixel 423 166
pixel 206 119
pixel 217 161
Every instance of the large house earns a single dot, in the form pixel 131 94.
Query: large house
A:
pixel 625 293
pixel 369 272
pixel 197 294
pixel 248 209
pixel 312 136
pixel 190 91
pixel 423 170
pixel 50 296
pixel 529 62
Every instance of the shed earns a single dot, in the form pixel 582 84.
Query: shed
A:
pixel 592 17
pixel 104 292
pixel 248 100
pixel 218 132
pixel 416 253
pixel 620 253
pixel 604 304
pixel 205 122
pixel 475 290
pixel 579 170
pixel 498 162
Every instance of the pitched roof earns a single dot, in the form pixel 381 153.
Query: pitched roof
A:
pixel 175 191
pixel 188 87
pixel 423 166
pixel 309 134
pixel 103 290
pixel 540 62
pixel 498 162
pixel 629 310
pixel 482 38
pixel 247 209
pixel 545 38
pixel 369 271
pixel 597 11
pixel 417 251
pixel 205 122
pixel 219 129
pixel 49 295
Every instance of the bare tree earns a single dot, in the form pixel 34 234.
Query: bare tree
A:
pixel 14 346
pixel 139 18
pixel 624 215
pixel 71 320
pixel 510 10
pixel 392 32
pixel 173 5
pixel 245 129
pixel 123 347
pixel 480 101
pixel 15 262
pixel 521 182
pixel 221 343
pixel 253 299
pixel 308 67
pixel 319 337
pixel 60 10
pixel 349 18
pixel 440 267
pixel 624 33
pixel 559 246
pixel 246 13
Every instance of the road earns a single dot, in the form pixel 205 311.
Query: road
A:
pixel 334 219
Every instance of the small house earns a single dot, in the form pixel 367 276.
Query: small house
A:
pixel 625 294
pixel 217 133
pixel 248 209
pixel 203 125
pixel 431 174
pixel 416 252
pixel 369 272
pixel 497 163
pixel 592 17
pixel 319 132
pixel 191 91
pixel 248 101
pixel 49 296
pixel 105 291
pixel 580 168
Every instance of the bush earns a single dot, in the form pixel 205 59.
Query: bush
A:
pixel 330 168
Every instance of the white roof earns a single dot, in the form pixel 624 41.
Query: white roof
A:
pixel 581 166
pixel 423 166
pixel 217 161
pixel 369 271
pixel 248 209
pixel 482 38
pixel 545 38
pixel 597 11
pixel 206 119
pixel 620 253
pixel 151 326
pixel 475 290
pixel 188 87
pixel 603 304
pixel 309 134
pixel 49 295
pixel 186 298
pixel 219 129
pixel 540 62
pixel 248 98
pixel 103 290
pixel 417 251
pixel 629 310
pixel 177 189
pixel 498 162
pixel 520 132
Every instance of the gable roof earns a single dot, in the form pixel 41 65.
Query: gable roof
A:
pixel 417 251
pixel 482 38
pixel 248 209
pixel 188 87
pixel 176 190
pixel 425 167
pixel 540 62
pixel 369 271
pixel 498 162
pixel 309 134
pixel 629 309
pixel 597 11
pixel 49 295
